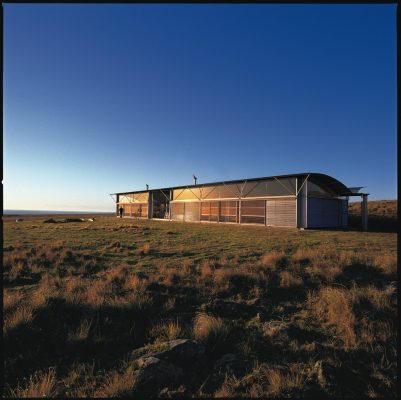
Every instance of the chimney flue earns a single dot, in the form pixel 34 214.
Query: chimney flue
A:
pixel 195 178
pixel 147 187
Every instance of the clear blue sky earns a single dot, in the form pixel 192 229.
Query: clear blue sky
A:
pixel 106 98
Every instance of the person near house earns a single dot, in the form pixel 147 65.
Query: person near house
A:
pixel 121 210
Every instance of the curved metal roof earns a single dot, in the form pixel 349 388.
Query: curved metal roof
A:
pixel 321 179
pixel 333 184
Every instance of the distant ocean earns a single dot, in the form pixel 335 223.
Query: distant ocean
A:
pixel 47 212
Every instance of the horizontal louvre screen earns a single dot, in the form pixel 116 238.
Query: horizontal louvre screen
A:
pixel 253 212
pixel 177 211
pixel 191 211
pixel 209 211
pixel 281 212
pixel 228 211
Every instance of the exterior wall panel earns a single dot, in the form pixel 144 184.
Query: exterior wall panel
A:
pixel 191 211
pixel 177 211
pixel 253 212
pixel 324 213
pixel 281 212
pixel 228 211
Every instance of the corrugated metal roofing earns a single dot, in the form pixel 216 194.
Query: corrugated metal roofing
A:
pixel 330 182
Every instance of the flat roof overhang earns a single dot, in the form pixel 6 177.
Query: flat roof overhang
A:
pixel 326 180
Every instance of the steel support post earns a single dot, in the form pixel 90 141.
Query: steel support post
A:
pixel 364 212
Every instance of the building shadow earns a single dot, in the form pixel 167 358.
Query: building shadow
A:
pixel 378 224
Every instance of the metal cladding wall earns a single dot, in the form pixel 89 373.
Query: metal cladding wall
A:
pixel 327 213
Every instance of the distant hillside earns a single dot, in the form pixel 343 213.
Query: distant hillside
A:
pixel 51 212
pixel 382 215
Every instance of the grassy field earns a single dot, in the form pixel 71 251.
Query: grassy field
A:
pixel 279 312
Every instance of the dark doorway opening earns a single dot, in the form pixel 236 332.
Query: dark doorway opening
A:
pixel 160 204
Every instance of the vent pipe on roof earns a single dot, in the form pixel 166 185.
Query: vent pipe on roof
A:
pixel 147 187
pixel 195 178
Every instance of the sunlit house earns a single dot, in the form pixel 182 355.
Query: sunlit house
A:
pixel 306 200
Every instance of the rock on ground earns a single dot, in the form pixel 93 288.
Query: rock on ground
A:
pixel 167 367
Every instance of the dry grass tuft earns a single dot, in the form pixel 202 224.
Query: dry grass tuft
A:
pixel 289 280
pixel 117 385
pixel 136 300
pixel 220 277
pixel 324 271
pixel 239 279
pixel 23 315
pixel 272 260
pixel 82 332
pixel 188 267
pixel 333 308
pixel 228 388
pixel 117 274
pixel 172 278
pixel 11 300
pixel 50 285
pixel 169 305
pixel 144 249
pixel 263 381
pixel 97 293
pixel 167 330
pixel 206 268
pixel 80 381
pixel 380 299
pixel 134 283
pixel 16 272
pixel 210 330
pixel 39 385
pixel 273 328
pixel 75 290
pixel 275 380
pixel 386 263
pixel 39 299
